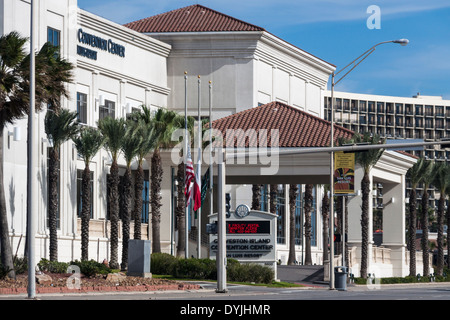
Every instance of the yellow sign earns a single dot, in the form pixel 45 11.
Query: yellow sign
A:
pixel 344 173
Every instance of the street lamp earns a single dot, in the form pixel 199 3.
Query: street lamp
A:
pixel 352 65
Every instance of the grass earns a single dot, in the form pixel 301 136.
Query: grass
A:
pixel 273 284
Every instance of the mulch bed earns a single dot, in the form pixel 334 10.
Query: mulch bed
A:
pixel 98 283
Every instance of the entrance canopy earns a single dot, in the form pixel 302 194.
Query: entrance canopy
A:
pixel 265 131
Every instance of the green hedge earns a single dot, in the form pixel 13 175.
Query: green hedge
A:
pixel 205 269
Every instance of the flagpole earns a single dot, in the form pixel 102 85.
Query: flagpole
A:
pixel 211 182
pixel 186 222
pixel 199 170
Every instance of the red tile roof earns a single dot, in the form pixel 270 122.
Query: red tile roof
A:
pixel 195 18
pixel 296 128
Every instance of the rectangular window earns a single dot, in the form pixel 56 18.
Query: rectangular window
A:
pixel 145 202
pixel 281 216
pixel 82 107
pixel 80 192
pixel 108 110
pixel 54 37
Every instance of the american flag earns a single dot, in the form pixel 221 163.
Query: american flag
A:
pixel 191 183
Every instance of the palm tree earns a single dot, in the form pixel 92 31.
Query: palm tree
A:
pixel 293 193
pixel 52 72
pixel 427 177
pixel 325 216
pixel 60 126
pixel 366 160
pixel 149 136
pixel 163 121
pixel 88 143
pixel 413 175
pixel 308 209
pixel 131 143
pixel 113 130
pixel 442 184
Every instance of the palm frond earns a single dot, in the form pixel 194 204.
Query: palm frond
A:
pixel 60 126
pixel 113 130
pixel 88 143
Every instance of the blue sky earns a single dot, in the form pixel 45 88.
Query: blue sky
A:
pixel 336 31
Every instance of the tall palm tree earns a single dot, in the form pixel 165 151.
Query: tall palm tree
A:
pixel 414 176
pixel 149 137
pixel 325 216
pixel 293 193
pixel 427 177
pixel 131 143
pixel 60 126
pixel 442 184
pixel 113 130
pixel 162 121
pixel 88 143
pixel 308 233
pixel 366 160
pixel 52 72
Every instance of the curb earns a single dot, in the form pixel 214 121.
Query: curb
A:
pixel 142 288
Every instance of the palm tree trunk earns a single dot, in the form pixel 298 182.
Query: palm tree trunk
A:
pixel 256 197
pixel 424 240
pixel 5 245
pixel 53 175
pixel 365 187
pixel 440 235
pixel 308 209
pixel 138 189
pixel 126 208
pixel 180 212
pixel 273 199
pixel 293 192
pixel 156 175
pixel 325 231
pixel 412 232
pixel 85 213
pixel 113 199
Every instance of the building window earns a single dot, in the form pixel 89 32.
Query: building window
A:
pixel 54 37
pixel 299 217
pixel 82 107
pixel 145 202
pixel 108 110
pixel 80 192
pixel 281 215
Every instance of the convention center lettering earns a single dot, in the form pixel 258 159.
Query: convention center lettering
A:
pixel 99 43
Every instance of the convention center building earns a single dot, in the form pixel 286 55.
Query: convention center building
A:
pixel 192 56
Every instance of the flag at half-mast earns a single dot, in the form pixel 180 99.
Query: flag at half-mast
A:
pixel 192 186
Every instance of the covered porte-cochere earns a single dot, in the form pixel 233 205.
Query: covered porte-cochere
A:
pixel 266 164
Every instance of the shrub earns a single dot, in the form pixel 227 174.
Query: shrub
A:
pixel 195 269
pixel 53 266
pixel 91 268
pixel 20 265
pixel 250 273
pixel 162 263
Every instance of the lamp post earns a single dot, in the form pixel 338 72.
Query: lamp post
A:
pixel 352 65
pixel 31 173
